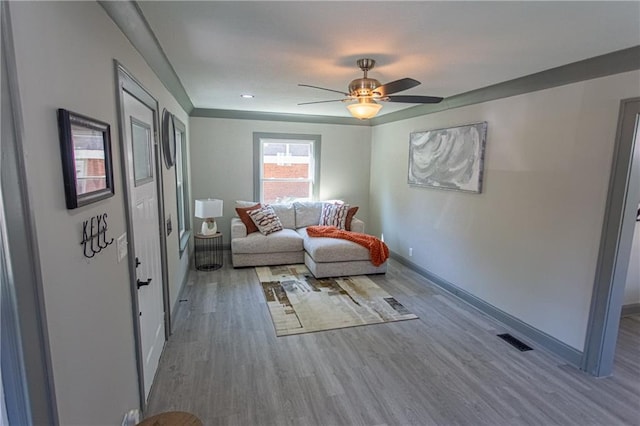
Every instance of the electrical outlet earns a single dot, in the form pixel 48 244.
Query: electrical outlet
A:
pixel 410 251
pixel 122 247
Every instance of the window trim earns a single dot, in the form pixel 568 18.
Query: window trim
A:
pixel 183 241
pixel 257 159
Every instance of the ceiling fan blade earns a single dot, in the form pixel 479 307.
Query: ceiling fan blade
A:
pixel 396 86
pixel 414 99
pixel 321 102
pixel 323 88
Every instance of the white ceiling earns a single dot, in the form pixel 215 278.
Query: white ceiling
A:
pixel 221 50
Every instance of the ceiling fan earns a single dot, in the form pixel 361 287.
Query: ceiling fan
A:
pixel 367 91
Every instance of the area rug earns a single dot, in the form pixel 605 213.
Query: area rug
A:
pixel 300 303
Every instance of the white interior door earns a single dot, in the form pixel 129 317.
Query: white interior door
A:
pixel 140 163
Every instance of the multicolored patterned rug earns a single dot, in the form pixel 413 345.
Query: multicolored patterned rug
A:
pixel 300 303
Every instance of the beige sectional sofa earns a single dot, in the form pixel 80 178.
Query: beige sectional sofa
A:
pixel 324 257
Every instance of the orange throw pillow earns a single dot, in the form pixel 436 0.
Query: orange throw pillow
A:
pixel 246 219
pixel 350 214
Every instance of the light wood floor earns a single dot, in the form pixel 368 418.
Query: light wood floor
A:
pixel 224 364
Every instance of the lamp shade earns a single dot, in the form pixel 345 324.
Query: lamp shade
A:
pixel 364 109
pixel 208 208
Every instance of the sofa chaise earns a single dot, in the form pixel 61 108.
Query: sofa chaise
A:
pixel 324 257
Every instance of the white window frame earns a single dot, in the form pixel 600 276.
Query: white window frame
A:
pixel 182 185
pixel 260 138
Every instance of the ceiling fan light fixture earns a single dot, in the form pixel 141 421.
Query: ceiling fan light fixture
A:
pixel 364 109
pixel 366 91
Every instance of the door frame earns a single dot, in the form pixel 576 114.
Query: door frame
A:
pixel 615 246
pixel 126 82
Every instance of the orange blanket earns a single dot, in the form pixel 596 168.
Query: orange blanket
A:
pixel 378 250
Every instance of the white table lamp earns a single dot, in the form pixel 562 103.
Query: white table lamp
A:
pixel 208 210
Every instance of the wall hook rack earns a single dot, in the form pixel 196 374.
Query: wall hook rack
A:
pixel 94 235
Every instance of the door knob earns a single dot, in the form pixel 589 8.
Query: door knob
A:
pixel 143 283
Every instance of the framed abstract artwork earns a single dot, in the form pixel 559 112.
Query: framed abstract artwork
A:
pixel 451 158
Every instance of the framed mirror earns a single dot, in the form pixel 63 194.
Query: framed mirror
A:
pixel 87 167
pixel 168 139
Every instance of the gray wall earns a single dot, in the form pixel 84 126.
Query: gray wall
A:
pixel 64 54
pixel 529 244
pixel 222 161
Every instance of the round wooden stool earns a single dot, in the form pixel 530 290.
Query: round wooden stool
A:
pixel 172 418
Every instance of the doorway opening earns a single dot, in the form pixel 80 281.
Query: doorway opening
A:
pixel 615 246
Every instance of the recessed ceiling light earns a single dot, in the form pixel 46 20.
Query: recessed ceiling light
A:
pixel 247 96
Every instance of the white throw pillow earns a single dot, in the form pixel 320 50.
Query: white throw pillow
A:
pixel 265 219
pixel 308 213
pixel 334 215
pixel 286 214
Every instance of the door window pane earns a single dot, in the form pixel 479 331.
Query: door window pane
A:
pixel 141 139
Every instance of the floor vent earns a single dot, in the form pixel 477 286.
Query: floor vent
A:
pixel 522 347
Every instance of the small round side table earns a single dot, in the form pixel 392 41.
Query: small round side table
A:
pixel 208 250
pixel 172 418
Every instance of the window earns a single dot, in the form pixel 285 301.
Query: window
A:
pixel 142 149
pixel 286 167
pixel 182 184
